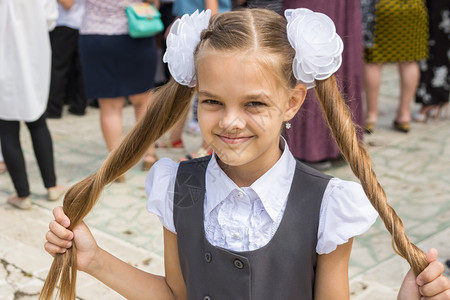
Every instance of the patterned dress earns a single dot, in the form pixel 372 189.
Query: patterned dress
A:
pixel 401 32
pixel 434 86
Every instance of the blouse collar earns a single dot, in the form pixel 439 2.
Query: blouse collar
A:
pixel 272 188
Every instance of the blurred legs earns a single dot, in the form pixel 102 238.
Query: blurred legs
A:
pixel 409 79
pixel 372 82
pixel 111 120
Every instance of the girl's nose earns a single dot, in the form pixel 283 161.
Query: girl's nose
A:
pixel 232 121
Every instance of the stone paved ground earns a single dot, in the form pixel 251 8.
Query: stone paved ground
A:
pixel 413 168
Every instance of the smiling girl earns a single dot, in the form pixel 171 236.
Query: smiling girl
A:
pixel 249 221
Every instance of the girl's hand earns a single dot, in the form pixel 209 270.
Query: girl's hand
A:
pixel 59 239
pixel 430 284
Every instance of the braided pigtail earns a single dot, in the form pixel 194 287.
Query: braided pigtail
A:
pixel 339 120
pixel 170 102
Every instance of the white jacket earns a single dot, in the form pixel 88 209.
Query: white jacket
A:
pixel 25 57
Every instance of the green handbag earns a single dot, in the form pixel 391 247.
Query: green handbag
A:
pixel 144 20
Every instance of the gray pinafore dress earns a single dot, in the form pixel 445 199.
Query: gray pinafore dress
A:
pixel 282 269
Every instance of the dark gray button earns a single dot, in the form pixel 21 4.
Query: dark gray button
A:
pixel 208 257
pixel 238 264
pixel 207 298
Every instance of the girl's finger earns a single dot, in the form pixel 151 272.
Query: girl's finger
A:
pixel 60 231
pixel 53 239
pixel 442 296
pixel 53 249
pixel 431 272
pixel 435 287
pixel 432 255
pixel 61 217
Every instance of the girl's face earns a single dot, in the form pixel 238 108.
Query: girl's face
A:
pixel 242 107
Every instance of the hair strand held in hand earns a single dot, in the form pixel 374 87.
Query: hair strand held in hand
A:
pixel 338 118
pixel 169 103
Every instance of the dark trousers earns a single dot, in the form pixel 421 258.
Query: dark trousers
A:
pixel 13 155
pixel 66 80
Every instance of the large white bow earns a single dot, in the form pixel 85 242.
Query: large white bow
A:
pixel 181 42
pixel 318 48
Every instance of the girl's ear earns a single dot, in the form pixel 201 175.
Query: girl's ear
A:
pixel 296 99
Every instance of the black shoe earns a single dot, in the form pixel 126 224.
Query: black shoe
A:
pixel 52 116
pixel 93 103
pixel 76 112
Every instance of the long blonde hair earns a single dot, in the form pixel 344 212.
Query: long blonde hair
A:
pixel 232 31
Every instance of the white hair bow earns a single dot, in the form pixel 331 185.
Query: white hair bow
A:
pixel 181 42
pixel 318 48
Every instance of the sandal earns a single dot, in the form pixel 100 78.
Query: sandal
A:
pixel 169 144
pixel 200 153
pixel 369 127
pixel 148 164
pixel 401 126
pixel 54 193
pixel 20 202
pixel 427 111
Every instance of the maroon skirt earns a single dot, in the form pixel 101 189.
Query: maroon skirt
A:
pixel 309 138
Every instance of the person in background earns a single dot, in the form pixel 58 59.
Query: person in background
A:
pixel 309 137
pixel 400 36
pixel 182 7
pixel 116 66
pixel 66 84
pixel 167 17
pixel 275 5
pixel 434 85
pixel 25 56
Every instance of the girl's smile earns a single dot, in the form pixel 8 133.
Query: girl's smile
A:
pixel 232 140
pixel 241 110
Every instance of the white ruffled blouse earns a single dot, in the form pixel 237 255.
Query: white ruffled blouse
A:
pixel 245 219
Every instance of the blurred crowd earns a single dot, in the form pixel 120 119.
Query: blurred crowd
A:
pixel 67 55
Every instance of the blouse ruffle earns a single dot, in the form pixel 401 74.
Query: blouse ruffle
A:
pixel 345 211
